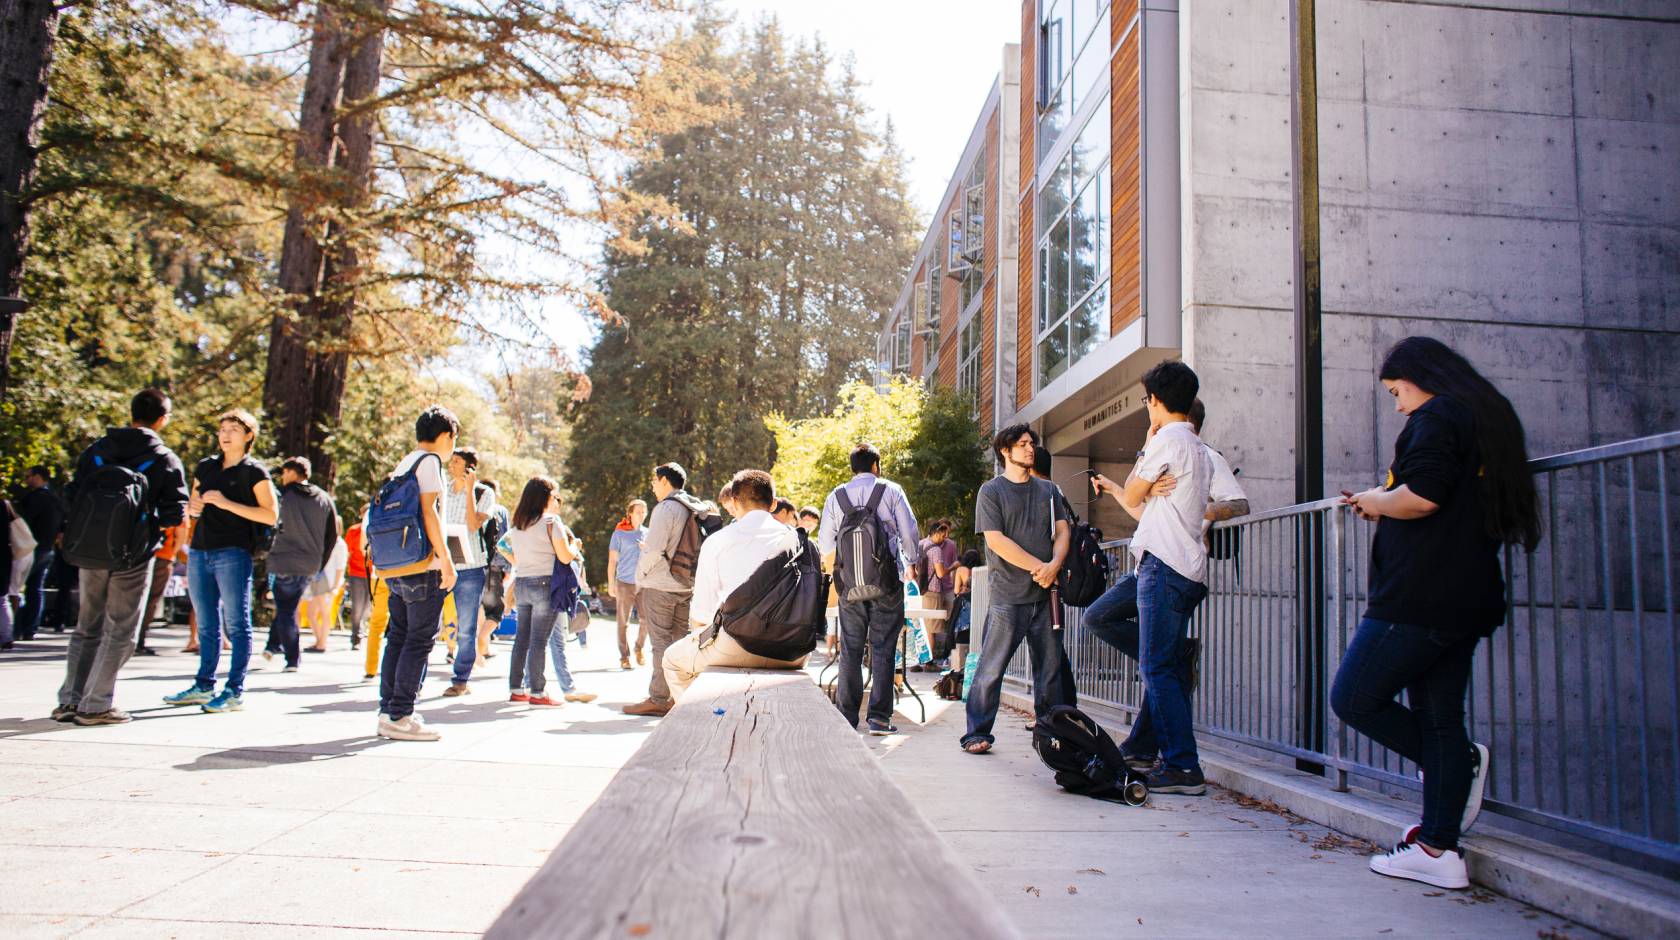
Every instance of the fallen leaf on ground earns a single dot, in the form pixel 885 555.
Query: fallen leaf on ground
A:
pixel 640 930
pixel 1091 871
pixel 1072 890
pixel 1033 891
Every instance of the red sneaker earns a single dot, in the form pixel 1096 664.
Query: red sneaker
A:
pixel 541 700
pixel 519 697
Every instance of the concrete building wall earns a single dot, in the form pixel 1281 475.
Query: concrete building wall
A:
pixel 1505 177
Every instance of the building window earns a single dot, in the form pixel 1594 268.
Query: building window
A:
pixel 1073 253
pixel 968 359
pixel 1073 42
pixel 901 345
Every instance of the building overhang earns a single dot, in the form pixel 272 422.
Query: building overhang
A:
pixel 1095 408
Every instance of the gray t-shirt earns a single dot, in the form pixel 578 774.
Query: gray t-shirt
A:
pixel 1027 514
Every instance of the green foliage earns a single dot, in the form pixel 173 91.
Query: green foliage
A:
pixel 929 441
pixel 762 296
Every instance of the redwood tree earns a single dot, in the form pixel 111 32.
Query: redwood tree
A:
pixel 28 29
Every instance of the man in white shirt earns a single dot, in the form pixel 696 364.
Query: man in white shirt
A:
pixel 727 559
pixel 1170 581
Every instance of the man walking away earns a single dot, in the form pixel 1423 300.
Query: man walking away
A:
pixel 1171 577
pixel 471 508
pixel 308 531
pixel 868 539
pixel 401 514
pixel 624 551
pixel 677 527
pixel 173 538
pixel 127 490
pixel 1025 526
pixel 729 560
pixel 44 515
pixel 357 584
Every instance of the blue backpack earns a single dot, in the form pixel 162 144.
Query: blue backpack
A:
pixel 396 531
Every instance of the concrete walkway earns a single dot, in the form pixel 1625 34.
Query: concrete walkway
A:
pixel 291 819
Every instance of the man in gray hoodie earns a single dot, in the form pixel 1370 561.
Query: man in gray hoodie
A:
pixel 665 574
pixel 309 529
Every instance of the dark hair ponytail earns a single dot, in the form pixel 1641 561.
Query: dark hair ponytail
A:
pixel 1511 510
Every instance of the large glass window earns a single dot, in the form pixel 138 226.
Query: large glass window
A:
pixel 1073 61
pixel 1073 253
pixel 968 358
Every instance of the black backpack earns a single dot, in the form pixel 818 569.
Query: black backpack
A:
pixel 1086 760
pixel 861 548
pixel 111 526
pixel 780 612
pixel 1084 575
pixel 493 528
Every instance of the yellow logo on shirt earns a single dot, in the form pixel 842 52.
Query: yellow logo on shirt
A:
pixel 1388 484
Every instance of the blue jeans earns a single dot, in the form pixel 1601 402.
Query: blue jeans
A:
pixel 288 593
pixel 1433 668
pixel 530 644
pixel 1007 625
pixel 34 593
pixel 468 591
pixel 557 650
pixel 1147 616
pixel 873 627
pixel 416 616
pixel 219 582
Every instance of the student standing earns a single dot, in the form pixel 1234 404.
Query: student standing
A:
pixel 538 539
pixel 356 581
pixel 470 507
pixel 114 589
pixel 870 624
pixel 232 497
pixel 44 515
pixel 1458 489
pixel 1171 577
pixel 418 589
pixel 664 592
pixel 1025 527
pixel 624 552
pixel 939 557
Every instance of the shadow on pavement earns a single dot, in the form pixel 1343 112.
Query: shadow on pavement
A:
pixel 248 758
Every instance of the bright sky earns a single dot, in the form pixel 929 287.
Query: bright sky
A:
pixel 927 64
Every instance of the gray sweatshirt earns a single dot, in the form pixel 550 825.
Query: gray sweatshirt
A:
pixel 653 569
pixel 308 531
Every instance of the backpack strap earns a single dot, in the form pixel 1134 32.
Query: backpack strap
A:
pixel 875 495
pixel 844 500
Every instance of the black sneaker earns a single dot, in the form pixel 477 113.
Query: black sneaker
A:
pixel 1171 780
pixel 881 729
pixel 64 713
pixel 1190 661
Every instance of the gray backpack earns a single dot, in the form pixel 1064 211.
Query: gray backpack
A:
pixel 861 548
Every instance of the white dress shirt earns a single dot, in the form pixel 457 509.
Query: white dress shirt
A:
pixel 729 557
pixel 1171 527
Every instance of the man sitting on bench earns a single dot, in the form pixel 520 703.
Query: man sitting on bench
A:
pixel 727 560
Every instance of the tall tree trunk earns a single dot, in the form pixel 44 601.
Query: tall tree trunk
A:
pixel 343 268
pixel 28 29
pixel 288 382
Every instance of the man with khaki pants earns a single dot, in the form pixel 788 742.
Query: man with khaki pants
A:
pixel 726 561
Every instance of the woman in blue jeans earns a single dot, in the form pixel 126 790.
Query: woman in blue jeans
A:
pixel 1458 489
pixel 537 538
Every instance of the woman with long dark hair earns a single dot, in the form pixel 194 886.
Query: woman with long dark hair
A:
pixel 1458 489
pixel 538 538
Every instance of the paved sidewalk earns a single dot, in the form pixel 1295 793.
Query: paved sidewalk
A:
pixel 290 819
pixel 1214 866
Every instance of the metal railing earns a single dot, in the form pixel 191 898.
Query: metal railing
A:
pixel 1577 694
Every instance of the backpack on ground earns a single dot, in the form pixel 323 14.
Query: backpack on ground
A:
pixel 701 522
pixel 1084 575
pixel 950 686
pixel 861 548
pixel 111 525
pixel 396 529
pixel 1086 760
pixel 781 611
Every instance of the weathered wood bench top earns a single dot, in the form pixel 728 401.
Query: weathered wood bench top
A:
pixel 771 819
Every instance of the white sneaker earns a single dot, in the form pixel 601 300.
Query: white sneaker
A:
pixel 1478 785
pixel 407 728
pixel 1412 862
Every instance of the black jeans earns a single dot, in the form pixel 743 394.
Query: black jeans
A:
pixel 875 626
pixel 416 615
pixel 1433 667
pixel 283 633
pixel 1007 625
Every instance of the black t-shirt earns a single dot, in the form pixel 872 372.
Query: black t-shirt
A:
pixel 1440 571
pixel 218 528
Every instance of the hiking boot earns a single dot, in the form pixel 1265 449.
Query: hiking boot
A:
pixel 540 699
pixel 1478 785
pixel 624 663
pixel 881 729
pixel 647 707
pixel 1173 780
pixel 1413 863
pixel 224 702
pixel 641 660
pixel 64 713
pixel 456 689
pixel 581 696
pixel 1190 662
pixel 407 728
pixel 111 716
pixel 192 696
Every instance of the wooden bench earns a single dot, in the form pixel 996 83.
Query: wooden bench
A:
pixel 770 819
